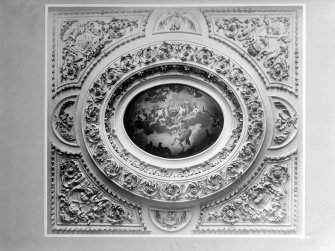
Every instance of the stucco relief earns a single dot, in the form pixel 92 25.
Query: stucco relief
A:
pixel 78 204
pixel 63 120
pixel 133 169
pixel 265 204
pixel 80 38
pixel 176 20
pixel 187 135
pixel 170 220
pixel 268 37
pixel 285 121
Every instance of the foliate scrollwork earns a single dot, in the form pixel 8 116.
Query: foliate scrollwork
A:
pixel 170 220
pixel 92 133
pixel 278 175
pixel 236 76
pixel 255 129
pixel 117 214
pixel 263 203
pixel 100 154
pixel 98 91
pixel 112 75
pixel 255 108
pixel 80 201
pixel 204 56
pixel 285 122
pixel 264 38
pixel 112 169
pixel 176 21
pixel 235 169
pixel 63 120
pixel 214 182
pixel 240 90
pixel 267 39
pixel 247 151
pixel 92 114
pixel 83 41
pixel 78 41
pixel 79 204
pixel 194 190
pixel 169 173
pixel 130 181
pixel 171 191
pixel 149 189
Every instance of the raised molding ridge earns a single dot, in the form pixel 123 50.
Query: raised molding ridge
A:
pixel 292 87
pixel 232 223
pixel 114 199
pixel 96 57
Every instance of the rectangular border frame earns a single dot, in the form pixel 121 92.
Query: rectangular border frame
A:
pixel 303 83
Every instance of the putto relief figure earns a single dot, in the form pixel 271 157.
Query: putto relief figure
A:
pixel 173 121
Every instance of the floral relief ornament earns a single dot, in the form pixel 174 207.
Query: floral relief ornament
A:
pixel 285 123
pixel 182 52
pixel 176 21
pixel 64 121
pixel 265 38
pixel 170 219
pixel 82 202
pixel 262 202
pixel 85 40
pixel 143 166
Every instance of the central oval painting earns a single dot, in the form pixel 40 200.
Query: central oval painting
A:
pixel 173 121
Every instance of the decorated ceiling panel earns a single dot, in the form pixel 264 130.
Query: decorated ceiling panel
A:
pixel 174 121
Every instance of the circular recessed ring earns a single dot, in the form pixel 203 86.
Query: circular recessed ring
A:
pixel 174 184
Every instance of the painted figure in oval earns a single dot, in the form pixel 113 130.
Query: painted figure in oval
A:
pixel 173 121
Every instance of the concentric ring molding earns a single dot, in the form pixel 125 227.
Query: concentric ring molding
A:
pixel 227 75
pixel 212 179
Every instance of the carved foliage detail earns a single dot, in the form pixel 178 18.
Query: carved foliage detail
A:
pixel 285 122
pixel 82 202
pixel 81 38
pixel 155 188
pixel 85 40
pixel 262 202
pixel 79 203
pixel 63 120
pixel 265 202
pixel 170 220
pixel 268 39
pixel 265 38
pixel 176 21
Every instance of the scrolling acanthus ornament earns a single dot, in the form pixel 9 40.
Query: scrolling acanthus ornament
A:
pixel 82 202
pixel 268 39
pixel 85 40
pixel 183 53
pixel 79 204
pixel 64 122
pixel 285 121
pixel 187 171
pixel 81 38
pixel 265 202
pixel 265 39
pixel 170 220
pixel 179 20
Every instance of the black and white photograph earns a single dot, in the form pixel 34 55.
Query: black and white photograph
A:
pixel 170 126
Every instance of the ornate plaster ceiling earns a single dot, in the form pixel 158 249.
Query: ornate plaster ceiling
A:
pixel 174 120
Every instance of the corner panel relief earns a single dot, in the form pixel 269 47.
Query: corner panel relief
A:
pixel 174 121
